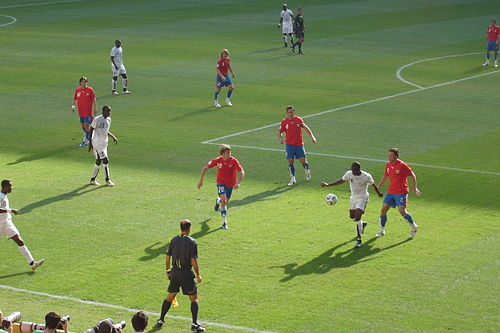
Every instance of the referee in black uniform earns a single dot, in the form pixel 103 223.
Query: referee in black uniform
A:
pixel 183 254
pixel 299 29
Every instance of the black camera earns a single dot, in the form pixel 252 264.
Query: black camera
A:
pixel 119 325
pixel 14 316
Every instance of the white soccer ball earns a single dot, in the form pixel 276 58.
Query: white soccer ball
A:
pixel 331 199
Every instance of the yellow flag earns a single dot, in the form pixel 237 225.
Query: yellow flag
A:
pixel 174 302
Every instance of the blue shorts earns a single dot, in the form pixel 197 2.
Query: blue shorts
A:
pixel 223 189
pixel 396 199
pixel 221 83
pixel 492 46
pixel 293 151
pixel 87 120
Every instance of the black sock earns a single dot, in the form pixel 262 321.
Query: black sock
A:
pixel 164 309
pixel 194 311
pixel 300 46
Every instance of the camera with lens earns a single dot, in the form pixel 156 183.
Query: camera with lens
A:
pixel 7 321
pixel 98 328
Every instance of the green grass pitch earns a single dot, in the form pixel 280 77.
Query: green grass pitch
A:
pixel 288 263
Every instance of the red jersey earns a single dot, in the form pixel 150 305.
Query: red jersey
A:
pixel 398 171
pixel 493 32
pixel 223 65
pixel 293 129
pixel 226 170
pixel 84 98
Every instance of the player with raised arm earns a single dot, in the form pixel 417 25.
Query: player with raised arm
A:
pixel 286 24
pixel 397 193
pixel 84 99
pixel 230 174
pixel 292 126
pixel 223 79
pixel 358 181
pixel 299 30
pixel 492 42
pixel 99 133
pixel 118 68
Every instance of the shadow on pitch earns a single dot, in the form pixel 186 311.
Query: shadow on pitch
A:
pixel 266 50
pixel 206 110
pixel 262 196
pixel 16 274
pixel 42 155
pixel 331 259
pixel 476 69
pixel 64 196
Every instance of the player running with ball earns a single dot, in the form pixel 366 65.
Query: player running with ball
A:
pixel 230 174
pixel 359 181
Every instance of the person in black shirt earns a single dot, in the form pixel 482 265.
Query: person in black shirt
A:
pixel 182 253
pixel 299 29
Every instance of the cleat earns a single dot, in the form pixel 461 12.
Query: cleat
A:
pixel 37 263
pixel 126 92
pixel 224 226
pixel 195 327
pixel 110 183
pixel 358 243
pixel 216 104
pixel 363 227
pixel 93 182
pixel 159 323
pixel 292 182
pixel 308 174
pixel 486 63
pixel 380 233
pixel 413 231
pixel 228 102
pixel 496 65
pixel 217 204
pixel 83 144
pixel 300 52
pixel 114 93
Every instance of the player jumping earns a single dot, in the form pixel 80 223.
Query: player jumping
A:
pixel 84 99
pixel 492 42
pixel 223 79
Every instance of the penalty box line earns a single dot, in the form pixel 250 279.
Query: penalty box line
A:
pixel 132 310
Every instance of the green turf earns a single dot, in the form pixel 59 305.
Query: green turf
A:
pixel 288 262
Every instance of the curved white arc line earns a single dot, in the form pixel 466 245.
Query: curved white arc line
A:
pixel 400 69
pixel 14 20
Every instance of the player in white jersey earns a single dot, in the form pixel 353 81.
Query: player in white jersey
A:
pixel 286 24
pixel 8 228
pixel 118 68
pixel 99 133
pixel 359 181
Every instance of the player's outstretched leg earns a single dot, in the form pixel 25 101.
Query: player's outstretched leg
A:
pixel 167 303
pixel 34 264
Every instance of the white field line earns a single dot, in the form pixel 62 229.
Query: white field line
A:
pixel 39 4
pixel 357 158
pixel 119 307
pixel 13 20
pixel 400 69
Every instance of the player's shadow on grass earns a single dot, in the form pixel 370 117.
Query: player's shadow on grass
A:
pixel 44 154
pixel 476 69
pixel 266 50
pixel 195 113
pixel 16 274
pixel 262 196
pixel 64 196
pixel 331 259
pixel 205 230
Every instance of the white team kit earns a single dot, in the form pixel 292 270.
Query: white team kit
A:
pixel 117 53
pixel 359 189
pixel 7 227
pixel 101 127
pixel 287 25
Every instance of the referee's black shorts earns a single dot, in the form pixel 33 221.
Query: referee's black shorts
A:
pixel 182 279
pixel 299 33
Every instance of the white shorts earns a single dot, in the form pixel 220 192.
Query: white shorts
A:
pixel 101 152
pixel 8 229
pixel 117 72
pixel 358 203
pixel 287 28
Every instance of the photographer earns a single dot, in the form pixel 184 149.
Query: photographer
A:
pixel 106 326
pixel 140 321
pixel 6 330
pixel 54 321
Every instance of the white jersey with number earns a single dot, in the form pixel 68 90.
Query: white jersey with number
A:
pixel 359 184
pixel 117 53
pixel 287 16
pixel 101 127
pixel 4 204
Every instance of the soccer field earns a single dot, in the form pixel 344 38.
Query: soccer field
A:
pixel 375 74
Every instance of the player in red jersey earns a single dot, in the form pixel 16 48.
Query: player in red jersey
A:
pixel 397 194
pixel 223 79
pixel 84 98
pixel 492 42
pixel 292 125
pixel 230 174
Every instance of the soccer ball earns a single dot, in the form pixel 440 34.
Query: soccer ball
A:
pixel 331 199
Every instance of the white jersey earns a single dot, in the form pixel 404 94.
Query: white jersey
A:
pixel 101 127
pixel 287 16
pixel 4 204
pixel 359 184
pixel 117 53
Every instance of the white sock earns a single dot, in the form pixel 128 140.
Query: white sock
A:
pixel 95 172
pixel 106 169
pixel 26 253
pixel 124 83
pixel 113 84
